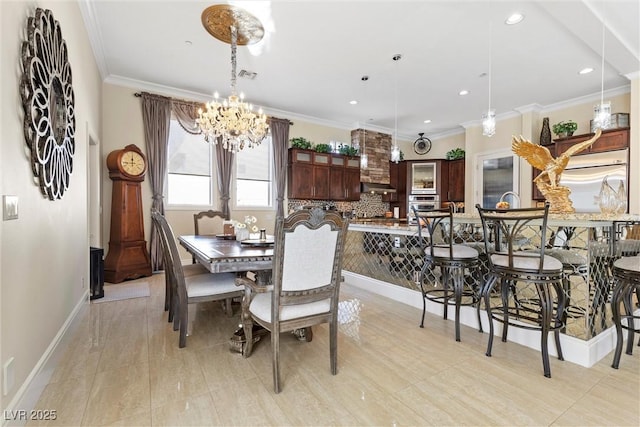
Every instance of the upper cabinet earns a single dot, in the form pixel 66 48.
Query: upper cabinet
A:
pixel 453 189
pixel 308 175
pixel 611 140
pixel 322 176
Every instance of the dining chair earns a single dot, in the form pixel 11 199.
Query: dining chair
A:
pixel 213 226
pixel 531 294
pixel 188 270
pixel 459 265
pixel 192 289
pixel 308 249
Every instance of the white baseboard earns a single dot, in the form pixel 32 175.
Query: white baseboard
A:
pixel 575 350
pixel 31 389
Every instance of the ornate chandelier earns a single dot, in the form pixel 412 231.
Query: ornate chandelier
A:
pixel 232 119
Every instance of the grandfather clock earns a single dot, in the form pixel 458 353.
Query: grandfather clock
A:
pixel 128 257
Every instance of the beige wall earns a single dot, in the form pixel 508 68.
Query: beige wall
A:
pixel 44 257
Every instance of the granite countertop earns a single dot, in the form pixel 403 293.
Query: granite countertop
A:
pixel 570 217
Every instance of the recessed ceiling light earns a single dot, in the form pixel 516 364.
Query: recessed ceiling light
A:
pixel 354 102
pixel 585 70
pixel 463 92
pixel 514 19
pixel 427 121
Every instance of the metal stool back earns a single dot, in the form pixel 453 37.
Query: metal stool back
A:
pixel 435 234
pixel 626 272
pixel 530 281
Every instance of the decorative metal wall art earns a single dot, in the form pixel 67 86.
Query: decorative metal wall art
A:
pixel 548 181
pixel 48 102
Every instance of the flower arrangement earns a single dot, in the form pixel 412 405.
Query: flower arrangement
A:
pixel 243 229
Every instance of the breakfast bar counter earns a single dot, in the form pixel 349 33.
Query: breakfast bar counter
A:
pixel 387 253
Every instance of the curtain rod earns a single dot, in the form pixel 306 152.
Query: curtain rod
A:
pixel 139 94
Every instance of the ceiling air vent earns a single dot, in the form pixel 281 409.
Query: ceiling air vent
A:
pixel 250 75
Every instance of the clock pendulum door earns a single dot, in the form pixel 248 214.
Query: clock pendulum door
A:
pixel 128 257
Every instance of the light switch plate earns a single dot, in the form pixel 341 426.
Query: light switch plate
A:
pixel 9 207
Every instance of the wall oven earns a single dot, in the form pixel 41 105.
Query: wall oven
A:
pixel 422 202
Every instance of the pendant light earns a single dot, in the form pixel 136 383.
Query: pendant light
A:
pixel 602 112
pixel 489 118
pixel 364 158
pixel 395 150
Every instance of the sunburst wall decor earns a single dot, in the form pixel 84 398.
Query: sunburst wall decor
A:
pixel 48 102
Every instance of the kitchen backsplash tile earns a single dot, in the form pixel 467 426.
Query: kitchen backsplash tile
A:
pixel 369 205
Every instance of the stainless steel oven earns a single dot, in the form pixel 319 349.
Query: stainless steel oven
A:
pixel 423 178
pixel 421 202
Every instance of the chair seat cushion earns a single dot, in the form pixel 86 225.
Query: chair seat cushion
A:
pixel 459 252
pixel 567 257
pixel 631 263
pixel 211 284
pixel 527 261
pixel 261 308
pixel 194 269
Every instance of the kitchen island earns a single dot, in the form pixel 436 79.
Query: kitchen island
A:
pixel 384 256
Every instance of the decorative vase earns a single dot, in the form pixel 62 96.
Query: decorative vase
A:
pixel 621 196
pixel 545 134
pixel 608 198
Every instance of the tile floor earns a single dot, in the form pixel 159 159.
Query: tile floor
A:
pixel 123 367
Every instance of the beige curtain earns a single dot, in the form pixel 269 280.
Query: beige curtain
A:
pixel 280 141
pixel 156 115
pixel 186 114
pixel 225 165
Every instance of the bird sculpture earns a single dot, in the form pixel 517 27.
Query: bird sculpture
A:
pixel 548 181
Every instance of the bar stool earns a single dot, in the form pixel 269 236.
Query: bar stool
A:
pixel 626 272
pixel 452 259
pixel 518 266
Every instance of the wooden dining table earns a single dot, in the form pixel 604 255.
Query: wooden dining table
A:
pixel 221 255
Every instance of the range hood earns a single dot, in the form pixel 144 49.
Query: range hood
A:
pixel 370 187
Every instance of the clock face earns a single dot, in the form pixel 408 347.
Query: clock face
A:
pixel 132 163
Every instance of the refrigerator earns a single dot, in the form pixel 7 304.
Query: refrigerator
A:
pixel 584 174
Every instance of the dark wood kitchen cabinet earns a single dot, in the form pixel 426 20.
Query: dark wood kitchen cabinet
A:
pixel 611 140
pixel 323 176
pixel 398 180
pixel 345 178
pixel 352 178
pixel 455 180
pixel 308 175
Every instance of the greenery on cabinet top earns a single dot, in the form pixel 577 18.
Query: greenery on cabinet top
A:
pixel 302 143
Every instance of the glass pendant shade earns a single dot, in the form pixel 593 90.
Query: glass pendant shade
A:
pixel 489 123
pixel 364 161
pixel 602 115
pixel 395 153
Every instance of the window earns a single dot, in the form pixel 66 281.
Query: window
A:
pixel 190 179
pixel 254 176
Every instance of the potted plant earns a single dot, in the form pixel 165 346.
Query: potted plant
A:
pixel 348 150
pixel 300 142
pixel 565 128
pixel 455 154
pixel 323 148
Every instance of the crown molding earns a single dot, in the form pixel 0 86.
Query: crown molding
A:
pixel 94 34
pixel 633 76
pixel 594 97
pixel 531 108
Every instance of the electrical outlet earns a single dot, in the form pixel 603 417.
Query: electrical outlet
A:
pixel 82 284
pixel 8 376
